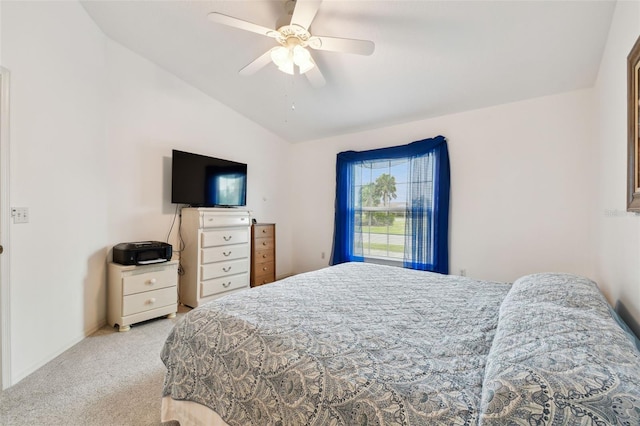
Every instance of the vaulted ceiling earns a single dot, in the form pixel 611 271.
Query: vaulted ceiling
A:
pixel 431 58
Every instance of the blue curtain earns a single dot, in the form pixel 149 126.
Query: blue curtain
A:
pixel 347 245
pixel 427 207
pixel 427 225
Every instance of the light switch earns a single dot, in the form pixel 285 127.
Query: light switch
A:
pixel 20 214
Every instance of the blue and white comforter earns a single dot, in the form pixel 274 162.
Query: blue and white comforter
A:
pixel 559 358
pixel 373 345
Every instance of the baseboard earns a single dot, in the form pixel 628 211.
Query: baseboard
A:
pixel 281 277
pixel 97 327
pixel 17 377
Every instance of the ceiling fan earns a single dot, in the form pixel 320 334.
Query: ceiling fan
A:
pixel 293 37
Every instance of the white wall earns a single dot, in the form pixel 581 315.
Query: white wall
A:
pixel 56 58
pixel 92 128
pixel 153 112
pixel 521 186
pixel 617 232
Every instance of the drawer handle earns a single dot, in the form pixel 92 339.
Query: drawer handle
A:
pixel 226 269
pixel 225 285
pixel 152 281
pixel 264 243
pixel 243 218
pixel 265 268
pixel 226 253
pixel 151 301
pixel 227 238
pixel 264 231
pixel 264 256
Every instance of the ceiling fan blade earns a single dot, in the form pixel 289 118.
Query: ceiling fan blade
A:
pixel 239 23
pixel 315 77
pixel 261 62
pixel 304 12
pixel 345 45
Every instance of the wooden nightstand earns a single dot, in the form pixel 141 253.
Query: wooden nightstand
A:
pixel 263 253
pixel 139 293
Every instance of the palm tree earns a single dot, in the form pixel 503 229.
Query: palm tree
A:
pixel 386 187
pixel 370 197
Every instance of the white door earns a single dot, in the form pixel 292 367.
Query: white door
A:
pixel 5 353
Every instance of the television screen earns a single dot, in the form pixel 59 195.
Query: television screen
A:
pixel 202 181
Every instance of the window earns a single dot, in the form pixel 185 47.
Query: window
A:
pixel 380 207
pixel 392 205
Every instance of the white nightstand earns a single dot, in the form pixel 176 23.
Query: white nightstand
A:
pixel 139 293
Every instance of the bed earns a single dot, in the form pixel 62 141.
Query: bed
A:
pixel 365 344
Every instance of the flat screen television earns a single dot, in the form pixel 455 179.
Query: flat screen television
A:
pixel 203 181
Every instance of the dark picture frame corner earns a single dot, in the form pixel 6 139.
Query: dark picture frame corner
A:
pixel 633 129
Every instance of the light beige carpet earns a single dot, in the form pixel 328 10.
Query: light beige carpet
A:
pixel 109 378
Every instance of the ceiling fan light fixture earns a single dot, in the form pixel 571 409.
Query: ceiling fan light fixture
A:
pixel 300 55
pixel 281 56
pixel 306 66
pixel 287 57
pixel 302 58
pixel 287 68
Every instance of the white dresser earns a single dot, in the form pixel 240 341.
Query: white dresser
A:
pixel 215 257
pixel 139 293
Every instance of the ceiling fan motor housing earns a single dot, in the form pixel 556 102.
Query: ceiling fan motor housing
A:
pixel 293 35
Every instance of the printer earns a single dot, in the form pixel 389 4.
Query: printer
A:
pixel 142 252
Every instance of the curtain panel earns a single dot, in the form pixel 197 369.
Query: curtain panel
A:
pixel 427 211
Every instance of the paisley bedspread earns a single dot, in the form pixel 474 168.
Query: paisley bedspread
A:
pixel 363 344
pixel 559 358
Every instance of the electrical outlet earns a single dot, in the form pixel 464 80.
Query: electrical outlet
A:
pixel 322 255
pixel 463 272
pixel 20 214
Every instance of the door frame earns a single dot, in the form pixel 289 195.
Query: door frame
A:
pixel 5 214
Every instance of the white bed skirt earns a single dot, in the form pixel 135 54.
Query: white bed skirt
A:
pixel 189 413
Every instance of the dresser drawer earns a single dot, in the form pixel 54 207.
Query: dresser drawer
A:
pixel 222 269
pixel 263 231
pixel 220 285
pixel 264 268
pixel 222 253
pixel 263 279
pixel 262 256
pixel 224 237
pixel 264 244
pixel 139 283
pixel 218 219
pixel 146 301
